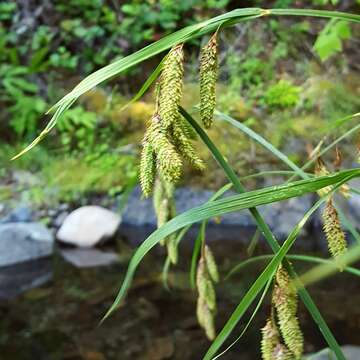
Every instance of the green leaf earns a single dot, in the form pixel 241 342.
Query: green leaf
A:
pixel 306 258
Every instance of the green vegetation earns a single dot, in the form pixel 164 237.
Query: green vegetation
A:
pixel 257 82
pixel 275 106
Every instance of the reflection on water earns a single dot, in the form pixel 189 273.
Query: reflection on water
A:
pixel 60 320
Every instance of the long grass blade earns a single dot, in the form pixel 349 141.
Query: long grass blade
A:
pixel 322 271
pixel 305 258
pixel 258 305
pixel 267 145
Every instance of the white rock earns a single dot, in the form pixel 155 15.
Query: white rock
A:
pixel 88 225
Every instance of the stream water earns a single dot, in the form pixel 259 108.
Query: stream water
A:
pixel 60 320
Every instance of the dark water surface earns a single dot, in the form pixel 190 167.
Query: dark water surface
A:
pixel 60 320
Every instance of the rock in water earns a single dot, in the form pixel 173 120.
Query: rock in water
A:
pixel 21 242
pixel 15 279
pixel 83 258
pixel 351 352
pixel 88 225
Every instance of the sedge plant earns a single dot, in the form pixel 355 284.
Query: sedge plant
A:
pixel 168 144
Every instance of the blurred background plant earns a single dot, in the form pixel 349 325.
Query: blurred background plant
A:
pixel 287 79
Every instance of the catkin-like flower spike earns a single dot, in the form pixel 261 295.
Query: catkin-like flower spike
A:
pixel 147 168
pixel 186 148
pixel 172 248
pixel 333 232
pixel 281 352
pixel 285 301
pixel 171 86
pixel 321 170
pixel 206 318
pixel 187 129
pixel 163 212
pixel 208 79
pixel 269 340
pixel 211 264
pixel 201 278
pixel 168 159
pixel 158 195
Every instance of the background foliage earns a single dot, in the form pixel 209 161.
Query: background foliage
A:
pixel 287 89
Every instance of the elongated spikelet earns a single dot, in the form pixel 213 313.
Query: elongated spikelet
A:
pixel 201 278
pixel 333 232
pixel 163 212
pixel 285 301
pixel 269 339
pixel 168 159
pixel 186 148
pixel 211 264
pixel 187 129
pixel 208 78
pixel 206 318
pixel 206 305
pixel 147 168
pixel 158 194
pixel 171 86
pixel 172 248
pixel 321 170
pixel 281 352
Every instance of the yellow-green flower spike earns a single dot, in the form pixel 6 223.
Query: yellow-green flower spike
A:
pixel 171 82
pixel 201 278
pixel 172 248
pixel 333 232
pixel 281 352
pixel 186 148
pixel 147 168
pixel 211 264
pixel 269 340
pixel 187 129
pixel 168 159
pixel 158 195
pixel 208 79
pixel 206 318
pixel 285 302
pixel 163 212
pixel 321 170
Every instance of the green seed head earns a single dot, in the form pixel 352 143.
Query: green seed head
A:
pixel 147 168
pixel 201 278
pixel 168 160
pixel 269 339
pixel 285 302
pixel 171 86
pixel 172 248
pixel 206 318
pixel 186 148
pixel 333 232
pixel 321 170
pixel 211 264
pixel 281 352
pixel 208 79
